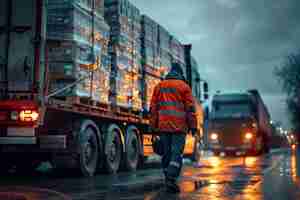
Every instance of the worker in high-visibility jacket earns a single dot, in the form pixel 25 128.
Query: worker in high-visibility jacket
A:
pixel 173 115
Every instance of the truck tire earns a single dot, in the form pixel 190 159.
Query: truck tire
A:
pixel 113 148
pixel 27 166
pixel 5 165
pixel 132 149
pixel 88 152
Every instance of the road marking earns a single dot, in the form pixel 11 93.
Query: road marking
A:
pixel 269 169
pixel 273 166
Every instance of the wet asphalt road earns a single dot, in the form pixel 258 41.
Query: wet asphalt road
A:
pixel 274 176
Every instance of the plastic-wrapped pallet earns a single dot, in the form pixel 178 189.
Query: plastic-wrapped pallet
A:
pixel 164 50
pixel 125 48
pixel 82 89
pixel 124 19
pixel 71 51
pixel 95 84
pixel 85 4
pixel 72 45
pixel 177 53
pixel 123 88
pixel 150 83
pixel 127 90
pixel 150 46
pixel 75 24
pixel 137 92
pixel 101 81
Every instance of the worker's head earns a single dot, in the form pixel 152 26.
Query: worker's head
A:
pixel 177 68
pixel 176 72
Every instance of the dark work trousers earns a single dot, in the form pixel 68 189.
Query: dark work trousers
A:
pixel 173 154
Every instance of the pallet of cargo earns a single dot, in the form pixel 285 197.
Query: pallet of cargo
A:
pixel 84 101
pixel 126 111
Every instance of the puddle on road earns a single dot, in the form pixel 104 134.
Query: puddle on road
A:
pixel 28 193
pixel 12 196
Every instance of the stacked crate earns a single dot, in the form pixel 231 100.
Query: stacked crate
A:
pixel 177 53
pixel 164 50
pixel 85 4
pixel 77 36
pixel 125 51
pixel 150 46
pixel 151 59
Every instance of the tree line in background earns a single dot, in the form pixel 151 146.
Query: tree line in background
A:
pixel 289 75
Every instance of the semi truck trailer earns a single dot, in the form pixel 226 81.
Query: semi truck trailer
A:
pixel 37 124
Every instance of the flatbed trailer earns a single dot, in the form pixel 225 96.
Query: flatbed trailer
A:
pixel 73 132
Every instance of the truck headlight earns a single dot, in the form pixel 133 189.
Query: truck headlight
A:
pixel 248 136
pixel 214 136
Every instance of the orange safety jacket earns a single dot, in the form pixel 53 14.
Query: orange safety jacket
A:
pixel 172 107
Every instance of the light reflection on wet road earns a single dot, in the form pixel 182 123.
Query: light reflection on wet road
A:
pixel 274 176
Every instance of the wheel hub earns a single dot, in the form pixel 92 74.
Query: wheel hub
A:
pixel 133 151
pixel 113 151
pixel 88 151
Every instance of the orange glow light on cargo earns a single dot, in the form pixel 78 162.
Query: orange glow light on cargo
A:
pixel 249 136
pixel 214 136
pixel 29 115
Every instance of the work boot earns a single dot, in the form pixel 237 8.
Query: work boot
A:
pixel 172 187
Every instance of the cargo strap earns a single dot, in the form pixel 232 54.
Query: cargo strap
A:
pixel 66 88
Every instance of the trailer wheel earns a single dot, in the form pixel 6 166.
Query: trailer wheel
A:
pixel 88 152
pixel 5 164
pixel 132 149
pixel 27 166
pixel 85 150
pixel 113 148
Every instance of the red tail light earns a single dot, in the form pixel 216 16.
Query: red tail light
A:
pixel 28 116
pixel 248 136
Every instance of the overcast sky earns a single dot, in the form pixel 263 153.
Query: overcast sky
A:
pixel 237 43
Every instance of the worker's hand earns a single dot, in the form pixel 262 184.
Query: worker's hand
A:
pixel 153 130
pixel 194 131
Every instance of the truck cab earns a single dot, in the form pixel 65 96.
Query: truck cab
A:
pixel 234 124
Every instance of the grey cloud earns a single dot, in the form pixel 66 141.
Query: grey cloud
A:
pixel 236 42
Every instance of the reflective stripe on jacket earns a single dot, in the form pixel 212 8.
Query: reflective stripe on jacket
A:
pixel 172 107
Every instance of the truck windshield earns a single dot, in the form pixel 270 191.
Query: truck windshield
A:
pixel 231 110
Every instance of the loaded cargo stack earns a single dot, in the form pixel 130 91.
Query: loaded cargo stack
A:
pixel 150 59
pixel 78 39
pixel 125 50
pixel 177 53
pixel 164 50
pixel 78 77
